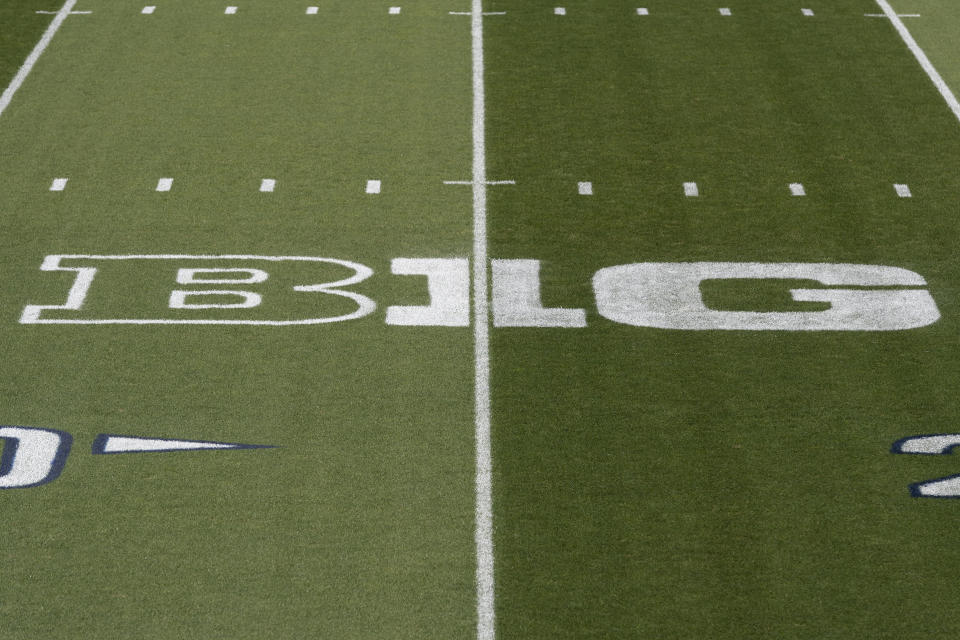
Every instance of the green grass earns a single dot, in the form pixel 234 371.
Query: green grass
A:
pixel 360 524
pixel 648 483
pixel 21 29
pixel 664 484
pixel 934 32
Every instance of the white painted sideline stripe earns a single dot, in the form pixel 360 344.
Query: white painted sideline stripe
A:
pixel 164 184
pixel 267 185
pixel 902 190
pixel 585 188
pixel 483 483
pixel 59 184
pixel 373 186
pixel 921 58
pixel 797 189
pixel 690 189
pixel 31 60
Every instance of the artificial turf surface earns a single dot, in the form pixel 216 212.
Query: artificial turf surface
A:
pixel 648 483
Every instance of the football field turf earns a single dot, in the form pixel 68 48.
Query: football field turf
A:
pixel 479 319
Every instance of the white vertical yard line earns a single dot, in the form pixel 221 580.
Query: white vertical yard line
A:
pixel 921 57
pixel 483 506
pixel 35 54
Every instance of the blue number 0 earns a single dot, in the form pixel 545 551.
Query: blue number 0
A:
pixel 32 456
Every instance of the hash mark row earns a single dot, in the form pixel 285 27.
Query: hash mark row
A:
pixel 584 188
pixel 559 11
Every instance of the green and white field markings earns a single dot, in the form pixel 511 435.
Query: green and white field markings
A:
pixel 359 524
pixel 505 320
pixel 719 484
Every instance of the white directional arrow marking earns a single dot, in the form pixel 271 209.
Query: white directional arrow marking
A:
pixel 106 443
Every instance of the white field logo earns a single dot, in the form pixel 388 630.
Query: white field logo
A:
pixel 303 290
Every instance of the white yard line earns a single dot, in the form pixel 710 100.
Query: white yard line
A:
pixel 483 534
pixel 35 54
pixel 921 57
